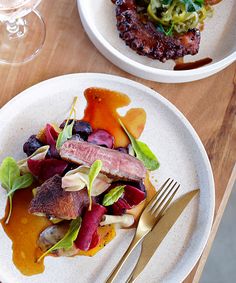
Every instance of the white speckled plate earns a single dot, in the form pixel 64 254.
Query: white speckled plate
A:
pixel 218 41
pixel 174 141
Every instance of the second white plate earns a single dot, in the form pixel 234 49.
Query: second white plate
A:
pixel 217 42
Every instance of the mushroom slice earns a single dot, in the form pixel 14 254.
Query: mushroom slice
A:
pixel 122 221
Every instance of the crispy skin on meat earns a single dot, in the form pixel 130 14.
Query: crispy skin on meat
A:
pixel 115 164
pixel 53 201
pixel 147 41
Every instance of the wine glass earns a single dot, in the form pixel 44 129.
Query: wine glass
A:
pixel 22 31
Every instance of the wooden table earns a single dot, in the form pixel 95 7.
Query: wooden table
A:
pixel 209 104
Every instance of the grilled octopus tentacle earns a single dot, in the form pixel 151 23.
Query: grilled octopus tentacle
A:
pixel 147 41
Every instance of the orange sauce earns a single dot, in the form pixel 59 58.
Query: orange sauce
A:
pixel 101 113
pixel 23 229
pixel 106 234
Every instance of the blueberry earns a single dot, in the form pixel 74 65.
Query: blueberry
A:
pixel 81 128
pixel 64 123
pixel 32 145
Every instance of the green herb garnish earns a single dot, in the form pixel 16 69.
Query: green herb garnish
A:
pixel 93 173
pixel 67 241
pixel 169 32
pixel 191 5
pixel 12 180
pixel 66 133
pixel 113 195
pixel 142 151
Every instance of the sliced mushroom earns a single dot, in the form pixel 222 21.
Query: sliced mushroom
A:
pixel 52 235
pixel 123 221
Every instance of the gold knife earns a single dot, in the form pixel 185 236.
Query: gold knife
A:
pixel 156 236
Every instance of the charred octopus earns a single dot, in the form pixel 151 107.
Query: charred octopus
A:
pixel 146 40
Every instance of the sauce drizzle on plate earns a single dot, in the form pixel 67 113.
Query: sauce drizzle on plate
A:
pixel 181 66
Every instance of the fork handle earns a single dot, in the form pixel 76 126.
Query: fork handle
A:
pixel 131 247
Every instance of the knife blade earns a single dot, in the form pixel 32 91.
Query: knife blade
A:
pixel 161 229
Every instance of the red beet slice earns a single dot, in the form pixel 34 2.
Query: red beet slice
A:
pixel 46 168
pixel 133 196
pixel 34 166
pixel 95 240
pixel 51 137
pixel 119 207
pixel 89 225
pixel 101 137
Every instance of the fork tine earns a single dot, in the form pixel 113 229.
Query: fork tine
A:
pixel 159 194
pixel 167 203
pixel 159 208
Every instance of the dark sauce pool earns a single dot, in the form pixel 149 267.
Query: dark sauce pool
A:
pixel 181 66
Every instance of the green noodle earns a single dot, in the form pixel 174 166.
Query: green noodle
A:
pixel 174 14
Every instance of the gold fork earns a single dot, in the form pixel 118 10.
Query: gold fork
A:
pixel 151 214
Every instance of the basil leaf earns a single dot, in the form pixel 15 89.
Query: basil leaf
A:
pixel 9 171
pixel 10 209
pixel 65 135
pixel 67 241
pixel 113 195
pixel 93 173
pixel 142 151
pixel 160 28
pixel 67 131
pixel 192 6
pixel 12 181
pixel 21 182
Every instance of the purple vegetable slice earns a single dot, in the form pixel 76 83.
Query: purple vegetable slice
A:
pixel 89 226
pixel 102 138
pixel 46 168
pixel 133 196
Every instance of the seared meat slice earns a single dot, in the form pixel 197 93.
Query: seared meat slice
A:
pixel 114 163
pixel 52 201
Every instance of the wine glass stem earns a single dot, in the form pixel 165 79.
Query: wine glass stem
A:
pixel 16 27
pixel 12 26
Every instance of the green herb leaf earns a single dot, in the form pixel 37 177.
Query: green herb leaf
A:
pixel 10 209
pixel 67 241
pixel 21 182
pixel 142 151
pixel 12 181
pixel 113 195
pixel 161 29
pixel 166 2
pixel 192 6
pixel 65 135
pixel 93 173
pixel 9 171
pixel 67 131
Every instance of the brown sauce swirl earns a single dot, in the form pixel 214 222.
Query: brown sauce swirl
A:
pixel 181 66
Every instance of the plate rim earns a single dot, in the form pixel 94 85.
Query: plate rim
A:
pixel 187 266
pixel 127 64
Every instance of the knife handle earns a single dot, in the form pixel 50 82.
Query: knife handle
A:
pixel 131 247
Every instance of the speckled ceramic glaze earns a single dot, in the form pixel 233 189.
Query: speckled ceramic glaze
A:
pixel 170 136
pixel 217 42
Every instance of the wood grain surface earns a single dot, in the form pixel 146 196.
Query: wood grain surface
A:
pixel 209 104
